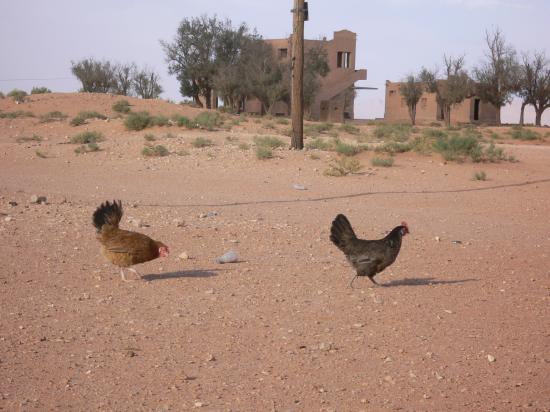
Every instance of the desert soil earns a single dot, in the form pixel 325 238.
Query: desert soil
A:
pixel 457 326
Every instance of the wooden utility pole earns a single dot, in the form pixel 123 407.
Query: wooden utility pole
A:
pixel 297 95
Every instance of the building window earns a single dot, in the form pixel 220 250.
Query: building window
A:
pixel 392 93
pixel 343 60
pixel 283 53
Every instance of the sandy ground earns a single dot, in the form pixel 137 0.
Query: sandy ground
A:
pixel 457 327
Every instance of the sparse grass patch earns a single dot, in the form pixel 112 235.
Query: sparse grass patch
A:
pixel 155 151
pixel 480 175
pixel 398 132
pixel 457 148
pixel 232 139
pixel 53 117
pixel 346 149
pixel 88 148
pixel 315 129
pixel 87 137
pixel 268 141
pixel 19 96
pixel 269 125
pixel 382 161
pixel 182 152
pixel 314 156
pixel 244 146
pixel 149 137
pixel 281 120
pixel 81 117
pixel 16 114
pixel 520 133
pixel 264 152
pixel 202 142
pixel 342 167
pixel 183 121
pixel 27 139
pixel 159 120
pixel 40 90
pixel 349 128
pixel 121 106
pixel 393 147
pixel 208 120
pixel 319 144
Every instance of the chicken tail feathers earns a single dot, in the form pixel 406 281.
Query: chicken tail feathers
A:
pixel 108 214
pixel 341 232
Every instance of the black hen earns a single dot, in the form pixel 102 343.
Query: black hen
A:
pixel 368 257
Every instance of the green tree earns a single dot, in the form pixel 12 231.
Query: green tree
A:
pixel 146 84
pixel 412 90
pixel 191 56
pixel 95 76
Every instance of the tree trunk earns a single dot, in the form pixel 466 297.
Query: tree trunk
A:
pixel 208 98
pixel 448 115
pixel 522 112
pixel 412 114
pixel 197 100
pixel 297 89
pixel 538 116
pixel 498 116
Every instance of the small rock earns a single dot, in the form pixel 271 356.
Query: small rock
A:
pixel 325 346
pixel 12 203
pixel 298 187
pixel 456 242
pixel 358 325
pixel 211 358
pixel 8 218
pixel 179 222
pixel 138 223
pixel 437 239
pixel 491 358
pixel 199 404
pixel 38 199
pixel 131 354
pixel 183 256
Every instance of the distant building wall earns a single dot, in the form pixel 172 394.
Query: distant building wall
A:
pixel 471 110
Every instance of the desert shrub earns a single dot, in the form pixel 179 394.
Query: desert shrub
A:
pixel 40 90
pixel 41 154
pixel 342 167
pixel 87 137
pixel 169 136
pixel 435 124
pixel 393 147
pixel 480 175
pixel 232 139
pixel 149 137
pixel 155 151
pixel 183 121
pixel 268 141
pixel 315 129
pixel 269 125
pixel 264 152
pixel 17 95
pixel 121 106
pixel 27 139
pixel 202 142
pixel 518 132
pixel 208 120
pixel 349 128
pixel 244 146
pixel 382 161
pixel 137 120
pixel 346 149
pixel 16 114
pixel 399 132
pixel 433 133
pixel 81 117
pixel 182 152
pixel 494 136
pixel 2 96
pixel 319 144
pixel 458 148
pixel 53 117
pixel 281 120
pixel 314 156
pixel 159 121
pixel 87 148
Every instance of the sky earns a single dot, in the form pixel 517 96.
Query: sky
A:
pixel 39 38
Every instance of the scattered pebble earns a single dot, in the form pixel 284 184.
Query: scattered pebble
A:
pixel 491 358
pixel 183 256
pixel 299 187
